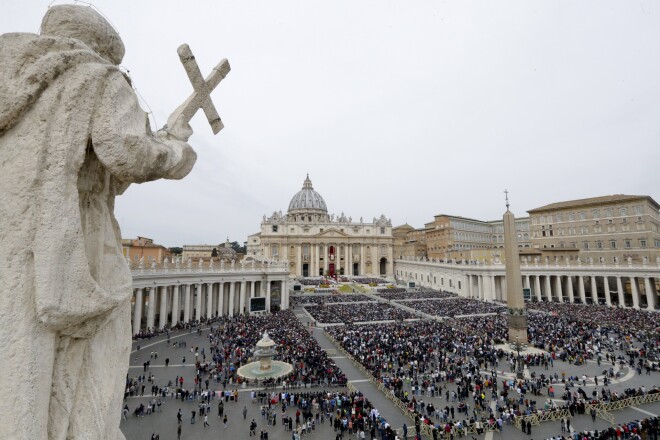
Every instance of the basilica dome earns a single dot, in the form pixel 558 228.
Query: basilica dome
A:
pixel 307 200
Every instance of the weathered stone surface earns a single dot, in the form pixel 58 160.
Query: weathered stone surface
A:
pixel 72 137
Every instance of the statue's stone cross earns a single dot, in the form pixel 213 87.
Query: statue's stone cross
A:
pixel 200 98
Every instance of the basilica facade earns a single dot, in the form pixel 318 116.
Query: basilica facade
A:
pixel 316 243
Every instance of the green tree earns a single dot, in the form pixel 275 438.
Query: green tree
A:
pixel 176 250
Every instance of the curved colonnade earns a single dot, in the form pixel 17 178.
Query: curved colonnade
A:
pixel 164 297
pixel 625 285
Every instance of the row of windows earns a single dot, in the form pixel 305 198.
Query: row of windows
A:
pixel 548 231
pixel 582 215
pixel 276 228
pixel 599 244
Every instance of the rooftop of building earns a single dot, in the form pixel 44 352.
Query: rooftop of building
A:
pixel 591 201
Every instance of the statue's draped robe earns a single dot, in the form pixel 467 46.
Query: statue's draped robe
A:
pixel 72 136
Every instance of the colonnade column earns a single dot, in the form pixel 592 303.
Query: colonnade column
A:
pixel 558 289
pixel 594 290
pixel 583 298
pixel 186 305
pixel 569 287
pixel 537 288
pixel 221 298
pixel 209 300
pixel 619 292
pixel 231 299
pixel 162 321
pixel 137 311
pixel 252 286
pixel 242 295
pixel 468 286
pixel 175 305
pixel 606 285
pixel 480 287
pixel 151 308
pixel 635 292
pixel 198 302
pixel 526 283
pixel 650 293
pixel 267 295
pixel 548 288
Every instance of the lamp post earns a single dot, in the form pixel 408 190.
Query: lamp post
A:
pixel 520 370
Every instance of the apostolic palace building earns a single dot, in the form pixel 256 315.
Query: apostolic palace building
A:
pixel 315 243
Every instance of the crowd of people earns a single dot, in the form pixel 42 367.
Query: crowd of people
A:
pixel 646 321
pixel 648 428
pixel 315 281
pixel 359 312
pixel 366 280
pixel 400 293
pixel 457 361
pixel 299 300
pixel 455 307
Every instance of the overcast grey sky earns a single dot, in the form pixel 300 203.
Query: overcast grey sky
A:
pixel 407 108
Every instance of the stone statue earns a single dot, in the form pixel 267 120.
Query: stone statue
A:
pixel 72 137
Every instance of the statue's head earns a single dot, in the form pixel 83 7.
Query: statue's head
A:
pixel 85 24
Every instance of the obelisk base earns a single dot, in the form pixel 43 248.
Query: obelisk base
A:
pixel 518 328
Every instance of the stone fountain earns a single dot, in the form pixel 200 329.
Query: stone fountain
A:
pixel 264 366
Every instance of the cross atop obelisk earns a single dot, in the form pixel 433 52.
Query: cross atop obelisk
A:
pixel 506 197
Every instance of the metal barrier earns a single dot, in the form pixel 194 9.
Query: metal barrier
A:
pixel 603 409
pixel 546 416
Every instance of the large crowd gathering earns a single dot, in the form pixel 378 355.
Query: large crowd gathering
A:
pixel 648 428
pixel 646 321
pixel 449 374
pixel 458 359
pixel 455 307
pixel 328 299
pixel 359 312
pixel 400 293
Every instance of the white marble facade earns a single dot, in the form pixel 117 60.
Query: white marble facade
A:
pixel 315 243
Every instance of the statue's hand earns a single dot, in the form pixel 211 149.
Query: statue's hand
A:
pixel 177 130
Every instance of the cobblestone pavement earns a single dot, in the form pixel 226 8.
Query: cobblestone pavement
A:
pixel 164 423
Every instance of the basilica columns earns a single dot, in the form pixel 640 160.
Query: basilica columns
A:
pixel 267 295
pixel 298 259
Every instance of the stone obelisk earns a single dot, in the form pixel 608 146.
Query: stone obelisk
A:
pixel 514 289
